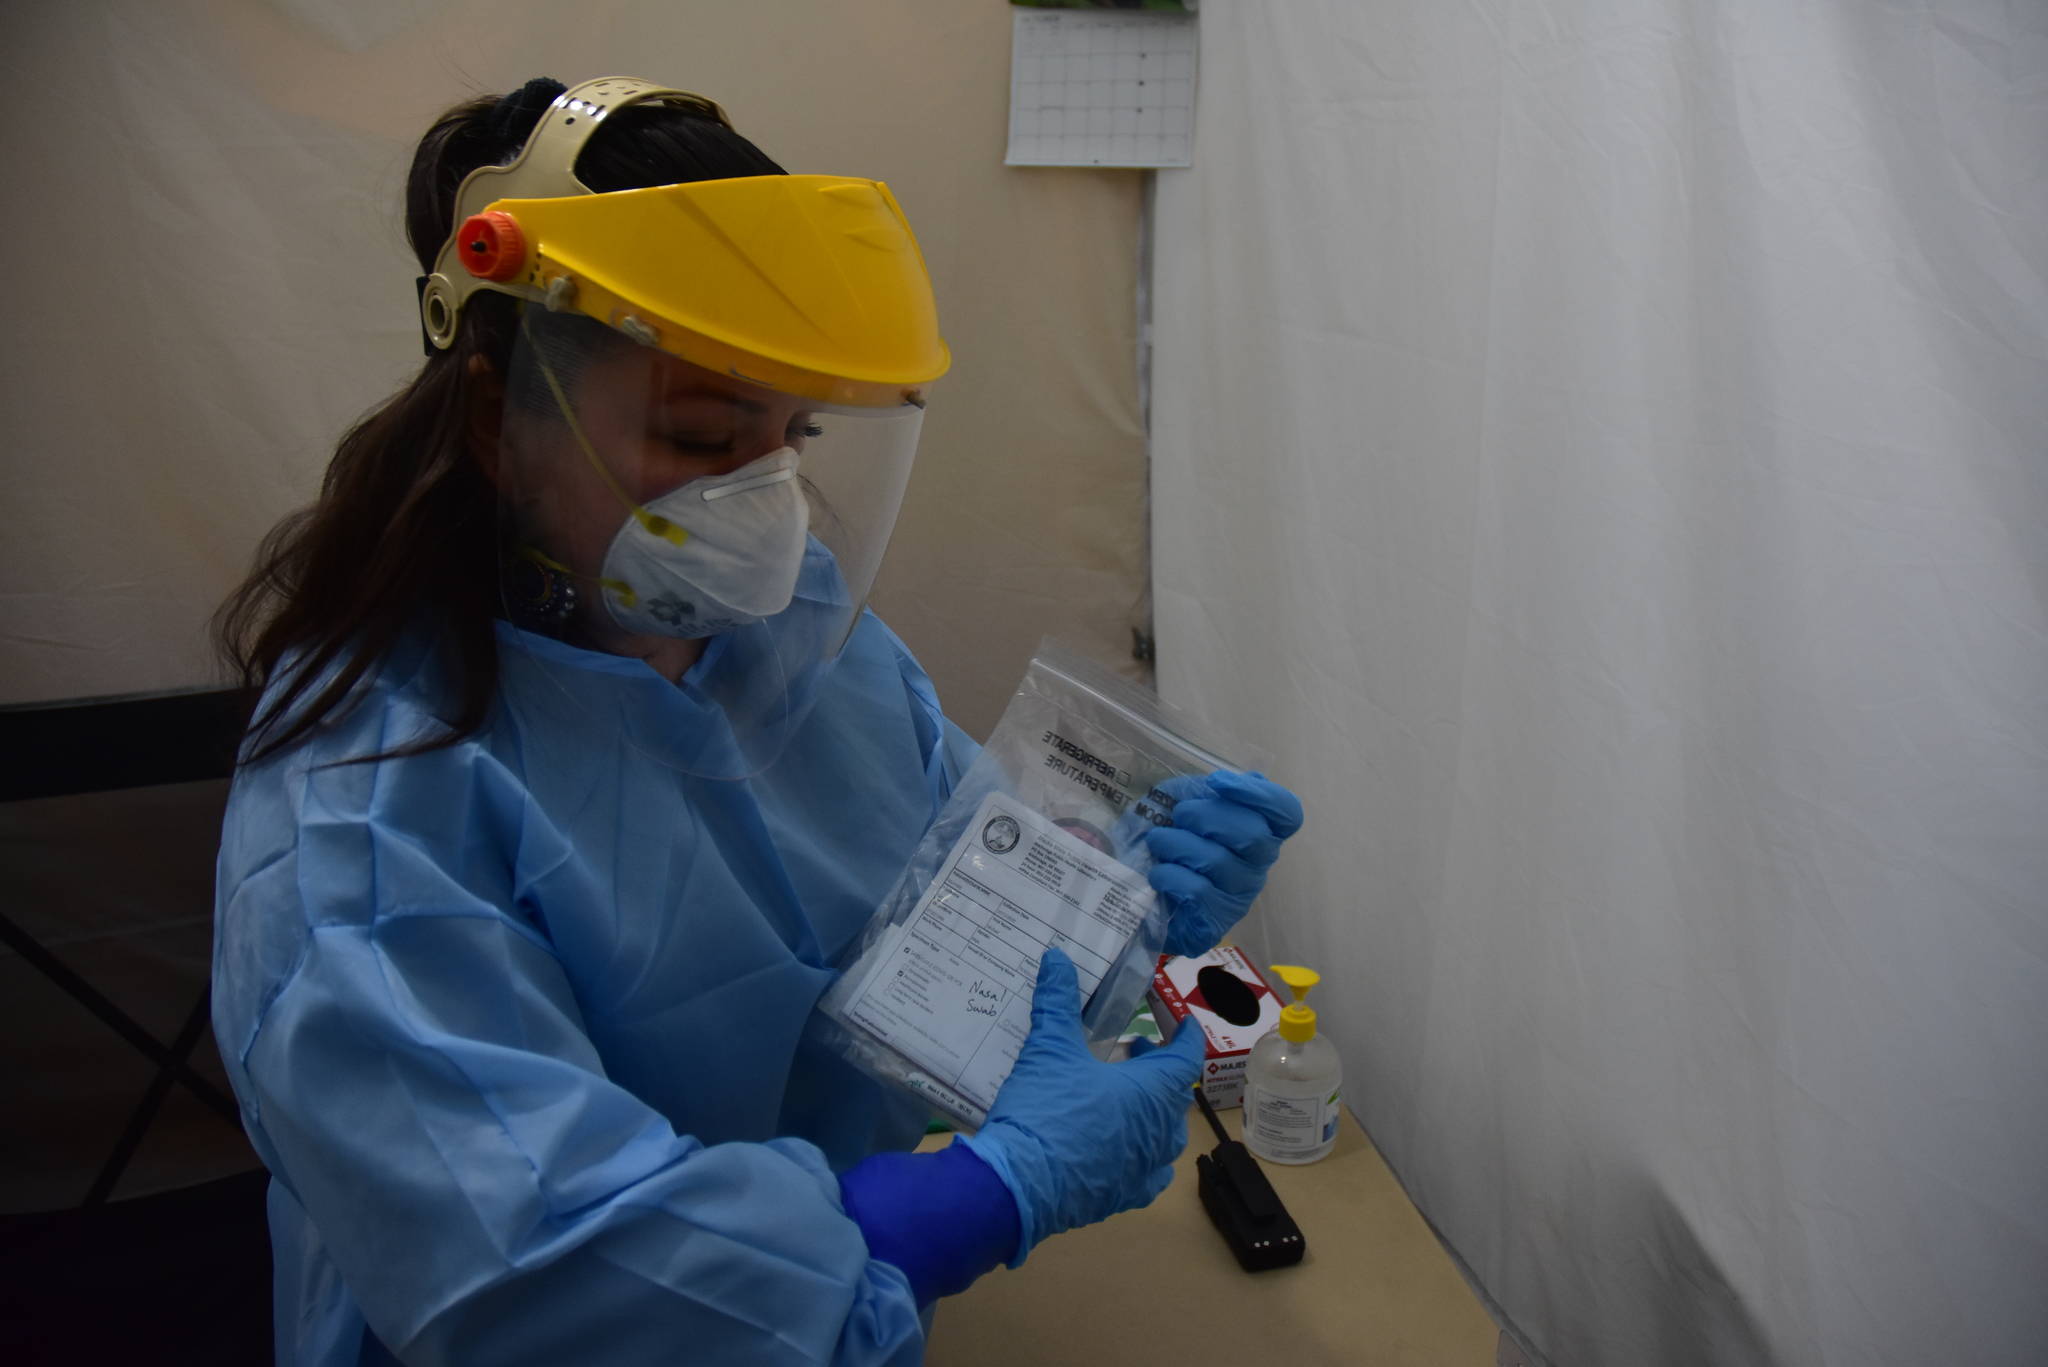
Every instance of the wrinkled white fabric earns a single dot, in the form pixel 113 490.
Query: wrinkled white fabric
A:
pixel 1599 448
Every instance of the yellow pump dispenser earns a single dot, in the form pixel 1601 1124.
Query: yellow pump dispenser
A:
pixel 1293 1081
pixel 1297 1018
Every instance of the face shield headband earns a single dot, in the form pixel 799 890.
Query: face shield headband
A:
pixel 812 286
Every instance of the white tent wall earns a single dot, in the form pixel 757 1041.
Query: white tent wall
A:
pixel 1602 450
pixel 209 282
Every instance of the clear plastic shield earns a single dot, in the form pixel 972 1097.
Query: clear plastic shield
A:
pixel 696 525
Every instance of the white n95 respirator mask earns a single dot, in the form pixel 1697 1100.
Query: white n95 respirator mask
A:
pixel 713 554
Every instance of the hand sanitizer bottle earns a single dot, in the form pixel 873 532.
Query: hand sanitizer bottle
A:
pixel 1292 1082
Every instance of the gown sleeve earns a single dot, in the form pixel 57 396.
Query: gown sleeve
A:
pixel 416 1072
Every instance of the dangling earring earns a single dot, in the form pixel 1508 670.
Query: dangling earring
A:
pixel 538 592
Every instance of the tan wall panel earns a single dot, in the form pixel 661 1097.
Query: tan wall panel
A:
pixel 221 285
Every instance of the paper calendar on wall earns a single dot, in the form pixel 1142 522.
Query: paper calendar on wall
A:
pixel 1101 89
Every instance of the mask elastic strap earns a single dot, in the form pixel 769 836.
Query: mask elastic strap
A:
pixel 654 524
pixel 627 597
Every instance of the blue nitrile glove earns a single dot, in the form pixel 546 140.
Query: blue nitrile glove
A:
pixel 941 1218
pixel 1210 864
pixel 1074 1139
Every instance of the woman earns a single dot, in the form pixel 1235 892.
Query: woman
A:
pixel 579 763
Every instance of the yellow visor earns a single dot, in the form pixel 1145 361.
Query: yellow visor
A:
pixel 809 285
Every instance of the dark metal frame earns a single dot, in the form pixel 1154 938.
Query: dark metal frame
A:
pixel 96 745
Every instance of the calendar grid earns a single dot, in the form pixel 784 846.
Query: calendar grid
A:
pixel 1089 89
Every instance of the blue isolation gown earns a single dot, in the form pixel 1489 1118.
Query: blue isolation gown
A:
pixel 520 1026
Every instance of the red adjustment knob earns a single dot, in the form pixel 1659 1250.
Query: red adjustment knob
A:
pixel 492 246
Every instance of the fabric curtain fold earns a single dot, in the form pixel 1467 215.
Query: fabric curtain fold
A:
pixel 1602 451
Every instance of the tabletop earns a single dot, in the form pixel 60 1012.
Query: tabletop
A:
pixel 1159 1286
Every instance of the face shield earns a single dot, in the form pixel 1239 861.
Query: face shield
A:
pixel 646 500
pixel 708 421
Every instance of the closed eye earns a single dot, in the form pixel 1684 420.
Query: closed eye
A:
pixel 701 445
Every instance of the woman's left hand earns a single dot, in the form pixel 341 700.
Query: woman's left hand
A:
pixel 1210 864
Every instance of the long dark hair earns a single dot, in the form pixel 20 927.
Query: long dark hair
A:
pixel 404 534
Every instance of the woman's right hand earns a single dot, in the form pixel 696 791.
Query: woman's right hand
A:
pixel 1077 1140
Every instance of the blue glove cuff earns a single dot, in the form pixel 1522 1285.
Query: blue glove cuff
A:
pixel 987 1145
pixel 942 1218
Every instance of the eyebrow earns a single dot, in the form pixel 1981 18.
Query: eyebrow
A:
pixel 717 396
